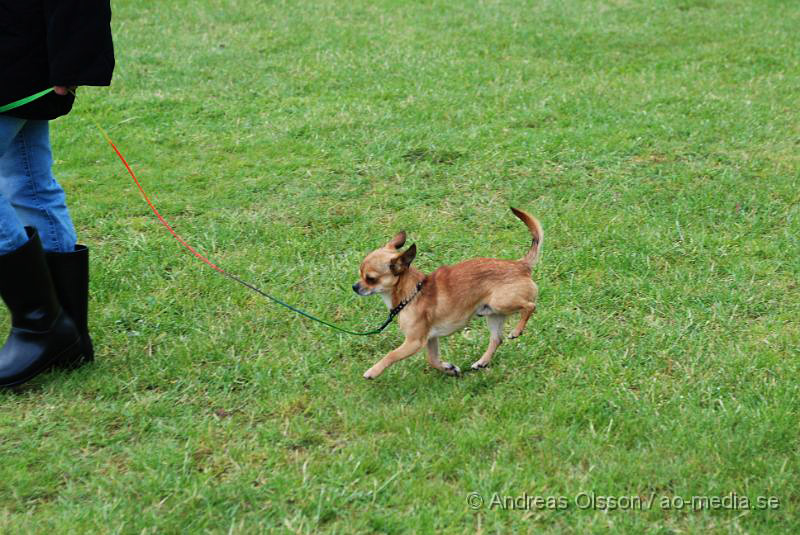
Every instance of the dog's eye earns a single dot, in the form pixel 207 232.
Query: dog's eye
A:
pixel 370 280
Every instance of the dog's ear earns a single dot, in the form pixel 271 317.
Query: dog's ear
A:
pixel 401 263
pixel 398 241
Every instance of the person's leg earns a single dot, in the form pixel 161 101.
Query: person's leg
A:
pixel 27 183
pixel 12 232
pixel 40 202
pixel 41 333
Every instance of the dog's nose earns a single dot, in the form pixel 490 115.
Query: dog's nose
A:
pixel 356 287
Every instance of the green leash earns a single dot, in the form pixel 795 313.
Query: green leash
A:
pixel 23 101
pixel 392 313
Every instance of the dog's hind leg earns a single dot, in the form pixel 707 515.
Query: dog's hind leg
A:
pixel 495 323
pixel 519 298
pixel 524 315
pixel 433 359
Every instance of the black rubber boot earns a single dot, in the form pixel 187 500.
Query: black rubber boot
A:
pixel 41 333
pixel 70 274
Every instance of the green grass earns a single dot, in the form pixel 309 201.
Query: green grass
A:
pixel 658 144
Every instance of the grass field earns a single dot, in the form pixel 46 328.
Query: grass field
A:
pixel 658 144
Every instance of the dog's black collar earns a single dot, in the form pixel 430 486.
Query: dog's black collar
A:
pixel 402 304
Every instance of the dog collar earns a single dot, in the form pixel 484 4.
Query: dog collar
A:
pixel 402 304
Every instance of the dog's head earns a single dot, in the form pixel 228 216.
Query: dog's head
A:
pixel 382 268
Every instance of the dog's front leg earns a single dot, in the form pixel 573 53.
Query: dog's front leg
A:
pixel 406 349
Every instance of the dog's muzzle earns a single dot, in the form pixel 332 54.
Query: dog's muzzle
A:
pixel 361 291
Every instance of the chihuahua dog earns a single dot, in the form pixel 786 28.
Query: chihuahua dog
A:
pixel 443 302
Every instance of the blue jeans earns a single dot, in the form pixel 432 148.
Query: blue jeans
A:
pixel 29 194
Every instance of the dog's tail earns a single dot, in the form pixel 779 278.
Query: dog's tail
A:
pixel 536 232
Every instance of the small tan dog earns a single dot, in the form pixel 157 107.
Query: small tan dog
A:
pixel 444 301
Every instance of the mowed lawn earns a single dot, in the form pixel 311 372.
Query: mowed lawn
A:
pixel 657 142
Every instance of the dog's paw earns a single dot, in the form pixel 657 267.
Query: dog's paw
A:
pixel 513 335
pixel 478 365
pixel 371 374
pixel 451 369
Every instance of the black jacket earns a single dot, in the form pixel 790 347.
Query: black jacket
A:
pixel 44 43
